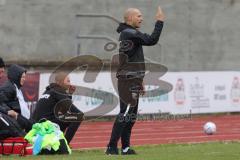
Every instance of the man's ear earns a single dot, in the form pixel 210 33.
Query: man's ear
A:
pixel 130 20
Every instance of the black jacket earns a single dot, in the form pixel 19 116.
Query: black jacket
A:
pixel 45 107
pixel 3 107
pixel 131 42
pixel 8 94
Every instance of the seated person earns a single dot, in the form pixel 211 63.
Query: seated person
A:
pixel 8 125
pixel 56 105
pixel 2 68
pixel 12 100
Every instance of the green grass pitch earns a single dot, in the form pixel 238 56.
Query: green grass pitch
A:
pixel 198 151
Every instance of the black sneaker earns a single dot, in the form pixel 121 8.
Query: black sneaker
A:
pixel 129 152
pixel 111 151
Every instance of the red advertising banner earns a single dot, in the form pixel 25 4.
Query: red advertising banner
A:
pixel 30 88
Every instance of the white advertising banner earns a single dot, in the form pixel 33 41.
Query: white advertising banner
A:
pixel 195 92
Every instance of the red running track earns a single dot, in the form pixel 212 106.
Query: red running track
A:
pixel 97 134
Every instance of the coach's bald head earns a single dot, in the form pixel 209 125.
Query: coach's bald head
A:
pixel 133 17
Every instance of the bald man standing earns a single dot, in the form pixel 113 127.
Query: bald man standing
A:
pixel 130 75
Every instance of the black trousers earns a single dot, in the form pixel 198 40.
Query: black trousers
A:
pixel 128 90
pixel 25 123
pixel 9 127
pixel 69 127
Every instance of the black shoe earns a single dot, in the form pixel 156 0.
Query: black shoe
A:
pixel 129 152
pixel 111 151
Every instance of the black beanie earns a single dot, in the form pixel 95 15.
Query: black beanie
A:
pixel 2 64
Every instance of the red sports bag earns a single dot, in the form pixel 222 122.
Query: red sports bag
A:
pixel 16 145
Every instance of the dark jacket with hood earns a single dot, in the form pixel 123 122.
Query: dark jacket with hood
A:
pixel 45 107
pixel 131 42
pixel 8 94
